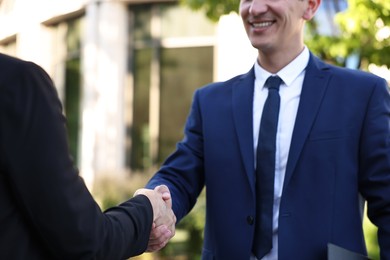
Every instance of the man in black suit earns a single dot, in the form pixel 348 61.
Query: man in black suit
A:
pixel 47 211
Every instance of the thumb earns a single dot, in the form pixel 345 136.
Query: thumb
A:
pixel 165 193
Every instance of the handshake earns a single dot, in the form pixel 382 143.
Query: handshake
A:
pixel 164 220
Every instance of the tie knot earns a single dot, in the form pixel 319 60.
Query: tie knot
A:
pixel 273 82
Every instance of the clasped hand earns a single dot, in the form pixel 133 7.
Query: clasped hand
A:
pixel 164 219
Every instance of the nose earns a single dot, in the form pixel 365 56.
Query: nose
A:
pixel 258 7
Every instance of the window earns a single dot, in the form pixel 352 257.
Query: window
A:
pixel 169 59
pixel 67 52
pixel 182 71
pixel 72 95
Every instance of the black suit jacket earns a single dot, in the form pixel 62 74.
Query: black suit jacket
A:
pixel 46 211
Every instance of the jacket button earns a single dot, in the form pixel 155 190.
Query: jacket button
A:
pixel 250 220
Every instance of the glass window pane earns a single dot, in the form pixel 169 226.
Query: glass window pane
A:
pixel 142 21
pixel 178 21
pixel 139 156
pixel 182 71
pixel 178 71
pixel 72 104
pixel 72 79
pixel 73 39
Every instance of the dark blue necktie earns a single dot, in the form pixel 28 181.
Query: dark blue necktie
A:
pixel 265 169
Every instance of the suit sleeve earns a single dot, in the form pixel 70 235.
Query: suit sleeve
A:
pixel 45 183
pixel 183 171
pixel 375 164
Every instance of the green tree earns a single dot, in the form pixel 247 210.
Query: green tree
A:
pixel 363 31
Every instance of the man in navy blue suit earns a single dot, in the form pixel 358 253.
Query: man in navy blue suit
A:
pixel 46 211
pixel 332 148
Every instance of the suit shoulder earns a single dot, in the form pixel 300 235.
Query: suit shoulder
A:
pixel 221 85
pixel 354 76
pixel 343 74
pixel 18 75
pixel 13 68
pixel 23 84
pixel 348 72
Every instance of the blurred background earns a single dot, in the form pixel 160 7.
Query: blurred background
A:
pixel 126 70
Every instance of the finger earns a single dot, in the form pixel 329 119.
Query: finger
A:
pixel 153 248
pixel 160 241
pixel 161 234
pixel 165 193
pixel 163 190
pixel 157 232
pixel 168 219
pixel 156 245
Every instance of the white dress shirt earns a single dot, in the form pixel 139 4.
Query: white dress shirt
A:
pixel 290 92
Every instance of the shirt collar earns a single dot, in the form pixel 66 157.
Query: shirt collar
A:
pixel 290 72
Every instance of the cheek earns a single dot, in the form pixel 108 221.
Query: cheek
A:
pixel 243 10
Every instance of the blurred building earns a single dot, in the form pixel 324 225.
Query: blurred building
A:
pixel 125 71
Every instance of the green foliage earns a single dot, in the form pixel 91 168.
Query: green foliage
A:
pixel 366 31
pixel 363 31
pixel 194 224
pixel 370 234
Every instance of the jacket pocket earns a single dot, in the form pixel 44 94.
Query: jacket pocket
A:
pixel 330 134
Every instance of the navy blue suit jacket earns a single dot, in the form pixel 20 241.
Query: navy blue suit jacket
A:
pixel 340 148
pixel 46 211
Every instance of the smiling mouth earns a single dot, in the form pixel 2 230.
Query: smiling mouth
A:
pixel 262 24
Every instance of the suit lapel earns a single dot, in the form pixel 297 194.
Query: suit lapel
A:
pixel 313 90
pixel 242 100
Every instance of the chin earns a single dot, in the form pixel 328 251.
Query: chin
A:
pixel 261 46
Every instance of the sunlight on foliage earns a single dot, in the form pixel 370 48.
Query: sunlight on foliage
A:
pixel 371 239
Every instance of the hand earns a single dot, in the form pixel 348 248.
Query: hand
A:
pixel 164 219
pixel 164 227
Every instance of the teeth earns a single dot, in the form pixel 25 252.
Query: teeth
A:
pixel 263 24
